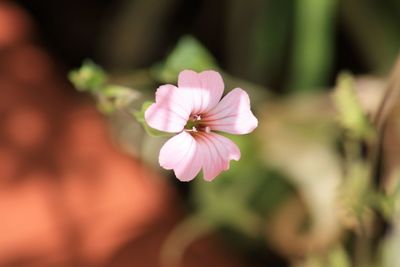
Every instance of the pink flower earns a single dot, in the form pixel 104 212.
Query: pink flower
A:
pixel 194 111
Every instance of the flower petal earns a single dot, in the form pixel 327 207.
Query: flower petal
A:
pixel 181 153
pixel 216 151
pixel 206 88
pixel 171 111
pixel 232 114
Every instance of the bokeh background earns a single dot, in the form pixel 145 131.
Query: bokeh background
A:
pixel 80 183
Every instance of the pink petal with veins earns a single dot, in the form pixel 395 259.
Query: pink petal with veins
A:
pixel 217 151
pixel 170 112
pixel 232 114
pixel 182 154
pixel 206 88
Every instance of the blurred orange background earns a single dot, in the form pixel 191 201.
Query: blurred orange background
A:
pixel 68 196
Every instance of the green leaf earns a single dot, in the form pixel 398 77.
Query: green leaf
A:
pixel 89 77
pixel 350 113
pixel 139 115
pixel 189 53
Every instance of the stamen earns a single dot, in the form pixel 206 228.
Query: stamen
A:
pixel 207 129
pixel 197 117
pixel 194 129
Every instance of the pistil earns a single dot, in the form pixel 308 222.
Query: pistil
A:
pixel 194 124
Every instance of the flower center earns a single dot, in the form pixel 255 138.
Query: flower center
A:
pixel 194 124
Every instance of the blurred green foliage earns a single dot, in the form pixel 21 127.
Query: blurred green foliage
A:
pixel 337 257
pixel 90 77
pixel 350 113
pixel 313 43
pixel 243 196
pixel 188 53
pixel 110 97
